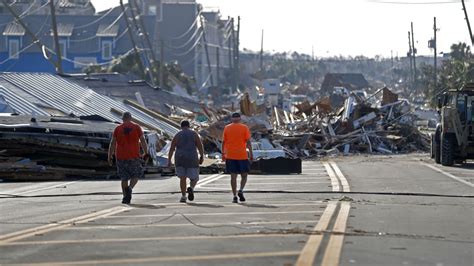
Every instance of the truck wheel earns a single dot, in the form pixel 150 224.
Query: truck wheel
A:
pixel 447 150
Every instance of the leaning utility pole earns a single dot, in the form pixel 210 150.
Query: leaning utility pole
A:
pixel 141 33
pixel 144 31
pixel 33 36
pixel 162 64
pixel 130 34
pixel 409 54
pixel 206 48
pixel 59 63
pixel 468 23
pixel 415 81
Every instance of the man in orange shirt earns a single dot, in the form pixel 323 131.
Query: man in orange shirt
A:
pixel 236 140
pixel 125 145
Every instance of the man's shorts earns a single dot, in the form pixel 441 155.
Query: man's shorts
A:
pixel 237 166
pixel 191 173
pixel 128 169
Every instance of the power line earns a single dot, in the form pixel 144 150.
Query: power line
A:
pixel 187 42
pixel 95 35
pixel 189 29
pixel 95 21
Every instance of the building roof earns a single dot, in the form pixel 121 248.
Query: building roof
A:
pixel 52 93
pixel 64 30
pixel 107 30
pixel 119 87
pixel 13 29
pixel 351 81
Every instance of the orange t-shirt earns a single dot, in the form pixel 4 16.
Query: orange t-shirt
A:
pixel 128 141
pixel 235 138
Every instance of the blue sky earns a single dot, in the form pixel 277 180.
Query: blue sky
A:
pixel 342 27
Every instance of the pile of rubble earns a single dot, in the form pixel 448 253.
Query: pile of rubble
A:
pixel 53 129
pixel 355 127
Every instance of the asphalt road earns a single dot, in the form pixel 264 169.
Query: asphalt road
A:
pixel 360 210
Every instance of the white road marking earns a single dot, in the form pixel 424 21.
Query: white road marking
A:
pixel 210 214
pixel 15 191
pixel 22 234
pixel 155 260
pixel 253 224
pixel 208 180
pixel 449 175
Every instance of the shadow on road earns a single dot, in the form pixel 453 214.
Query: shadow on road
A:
pixel 253 205
pixel 146 206
pixel 205 205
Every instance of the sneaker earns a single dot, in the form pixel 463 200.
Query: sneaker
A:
pixel 235 200
pixel 183 199
pixel 126 199
pixel 190 193
pixel 241 196
pixel 129 194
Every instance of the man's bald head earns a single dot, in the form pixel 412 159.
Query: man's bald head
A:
pixel 127 117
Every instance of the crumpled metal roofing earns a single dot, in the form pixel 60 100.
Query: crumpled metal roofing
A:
pixel 20 105
pixel 72 98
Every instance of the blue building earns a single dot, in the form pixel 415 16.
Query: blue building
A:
pixel 83 39
pixel 86 37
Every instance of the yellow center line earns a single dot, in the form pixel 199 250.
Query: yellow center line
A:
pixel 342 178
pixel 308 254
pixel 144 239
pixel 170 259
pixel 22 234
pixel 334 180
pixel 334 248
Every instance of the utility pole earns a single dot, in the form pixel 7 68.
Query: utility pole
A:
pixel 229 51
pixel 59 63
pixel 435 48
pixel 234 55
pixel 145 32
pixel 415 81
pixel 218 58
pixel 237 53
pixel 132 39
pixel 162 64
pixel 33 36
pixel 261 53
pixel 468 23
pixel 206 48
pixel 409 54
pixel 141 33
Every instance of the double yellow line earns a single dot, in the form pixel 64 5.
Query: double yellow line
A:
pixel 22 234
pixel 333 250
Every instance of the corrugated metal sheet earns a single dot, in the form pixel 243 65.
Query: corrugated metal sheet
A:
pixel 106 30
pixel 72 98
pixel 64 30
pixel 20 105
pixel 13 29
